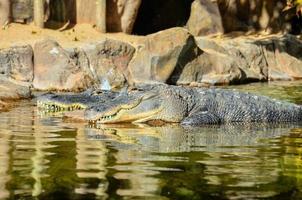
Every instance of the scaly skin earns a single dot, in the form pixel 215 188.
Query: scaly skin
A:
pixel 192 106
pixel 163 103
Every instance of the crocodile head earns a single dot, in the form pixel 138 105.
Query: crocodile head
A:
pixel 72 101
pixel 157 104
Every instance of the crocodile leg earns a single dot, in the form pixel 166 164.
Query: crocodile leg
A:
pixel 200 118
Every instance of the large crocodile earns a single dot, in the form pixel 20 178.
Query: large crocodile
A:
pixel 191 106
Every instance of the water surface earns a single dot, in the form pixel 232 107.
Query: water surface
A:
pixel 45 157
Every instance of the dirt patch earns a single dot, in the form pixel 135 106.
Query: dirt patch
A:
pixel 18 34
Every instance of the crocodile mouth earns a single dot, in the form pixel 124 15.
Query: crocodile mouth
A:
pixel 59 107
pixel 115 114
pixel 139 110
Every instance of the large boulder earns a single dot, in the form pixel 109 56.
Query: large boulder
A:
pixel 17 63
pixel 54 69
pixel 270 58
pixel 172 56
pixel 209 68
pixel 158 55
pixel 244 53
pixel 205 18
pixel 121 15
pixel 250 57
pixel 108 61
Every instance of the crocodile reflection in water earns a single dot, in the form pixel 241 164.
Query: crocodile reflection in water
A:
pixel 171 138
pixel 188 106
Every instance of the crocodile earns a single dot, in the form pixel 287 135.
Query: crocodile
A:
pixel 185 105
pixel 192 106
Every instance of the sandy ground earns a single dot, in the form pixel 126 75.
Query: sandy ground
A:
pixel 19 34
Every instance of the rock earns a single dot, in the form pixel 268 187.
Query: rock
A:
pixel 250 57
pixel 270 58
pixel 252 15
pixel 204 18
pixel 11 91
pixel 246 53
pixel 158 55
pixel 108 60
pixel 54 69
pixel 121 15
pixel 210 44
pixel 17 63
pixel 172 56
pixel 209 68
pixel 228 61
pixel 284 58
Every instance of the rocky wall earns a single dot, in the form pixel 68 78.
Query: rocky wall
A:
pixel 173 56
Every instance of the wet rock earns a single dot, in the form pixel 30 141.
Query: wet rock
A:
pixel 11 91
pixel 158 55
pixel 17 63
pixel 121 15
pixel 204 18
pixel 108 61
pixel 54 69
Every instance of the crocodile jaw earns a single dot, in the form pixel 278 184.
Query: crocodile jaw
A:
pixel 125 115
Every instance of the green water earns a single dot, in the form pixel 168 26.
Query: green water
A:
pixel 45 157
